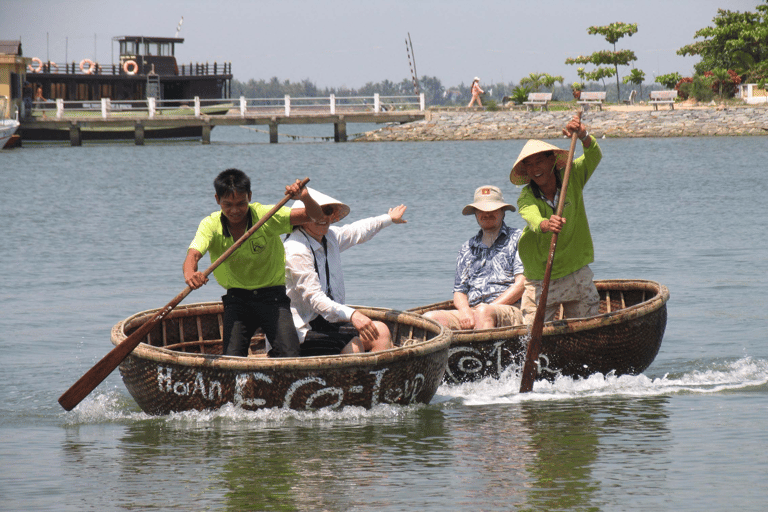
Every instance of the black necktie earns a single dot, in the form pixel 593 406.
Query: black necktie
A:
pixel 327 272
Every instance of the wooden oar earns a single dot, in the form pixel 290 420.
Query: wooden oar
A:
pixel 93 377
pixel 534 345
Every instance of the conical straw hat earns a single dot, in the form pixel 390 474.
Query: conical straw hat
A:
pixel 518 176
pixel 325 200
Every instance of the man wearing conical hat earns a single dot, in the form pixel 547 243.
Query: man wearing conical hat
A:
pixel 489 274
pixel 315 281
pixel 540 167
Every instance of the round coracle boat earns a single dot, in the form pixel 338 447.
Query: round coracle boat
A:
pixel 179 366
pixel 624 338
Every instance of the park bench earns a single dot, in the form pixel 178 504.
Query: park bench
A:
pixel 663 97
pixel 632 96
pixel 591 98
pixel 540 99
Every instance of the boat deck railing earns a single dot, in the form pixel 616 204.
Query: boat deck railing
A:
pixel 244 107
pixel 88 67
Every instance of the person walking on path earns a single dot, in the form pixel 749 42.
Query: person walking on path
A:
pixel 476 92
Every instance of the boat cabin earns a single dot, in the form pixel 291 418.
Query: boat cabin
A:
pixel 12 71
pixel 147 67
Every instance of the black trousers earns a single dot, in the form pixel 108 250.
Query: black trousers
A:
pixel 268 308
pixel 326 338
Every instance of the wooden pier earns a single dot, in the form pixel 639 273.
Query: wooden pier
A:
pixel 111 120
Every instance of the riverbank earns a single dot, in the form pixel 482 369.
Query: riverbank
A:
pixel 613 121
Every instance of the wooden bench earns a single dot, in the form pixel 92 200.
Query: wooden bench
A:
pixel 663 97
pixel 632 96
pixel 592 98
pixel 540 99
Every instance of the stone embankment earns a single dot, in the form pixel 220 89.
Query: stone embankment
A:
pixel 518 124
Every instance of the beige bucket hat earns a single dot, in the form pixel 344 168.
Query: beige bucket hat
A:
pixel 518 176
pixel 325 200
pixel 487 199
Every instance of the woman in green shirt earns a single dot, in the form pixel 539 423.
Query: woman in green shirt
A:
pixel 541 166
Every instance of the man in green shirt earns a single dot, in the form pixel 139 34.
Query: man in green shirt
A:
pixel 253 275
pixel 540 166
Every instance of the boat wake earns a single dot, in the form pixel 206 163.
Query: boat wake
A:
pixel 115 407
pixel 743 374
pixel 726 376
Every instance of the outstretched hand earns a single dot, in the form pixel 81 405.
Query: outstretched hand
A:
pixel 396 214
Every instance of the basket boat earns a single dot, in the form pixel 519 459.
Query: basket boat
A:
pixel 624 338
pixel 179 366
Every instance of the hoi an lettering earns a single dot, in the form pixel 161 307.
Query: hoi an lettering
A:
pixel 247 385
pixel 168 385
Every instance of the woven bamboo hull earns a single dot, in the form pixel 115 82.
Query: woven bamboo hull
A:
pixel 624 338
pixel 180 367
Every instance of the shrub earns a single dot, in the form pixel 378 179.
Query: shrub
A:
pixel 683 87
pixel 520 94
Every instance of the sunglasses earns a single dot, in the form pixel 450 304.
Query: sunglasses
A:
pixel 328 210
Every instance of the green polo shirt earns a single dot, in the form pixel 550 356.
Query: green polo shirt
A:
pixel 574 243
pixel 259 262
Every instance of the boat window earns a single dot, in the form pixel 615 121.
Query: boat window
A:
pixel 128 48
pixel 151 49
pixel 165 49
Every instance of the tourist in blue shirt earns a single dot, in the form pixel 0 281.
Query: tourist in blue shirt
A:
pixel 489 274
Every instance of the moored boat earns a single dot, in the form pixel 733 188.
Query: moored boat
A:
pixel 179 366
pixel 624 338
pixel 147 68
pixel 7 128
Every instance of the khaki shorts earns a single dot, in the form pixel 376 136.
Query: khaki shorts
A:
pixel 576 292
pixel 504 314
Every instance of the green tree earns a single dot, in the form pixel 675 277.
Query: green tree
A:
pixel 549 81
pixel 669 80
pixel 721 77
pixel 599 73
pixel 533 81
pixel 635 77
pixel 738 41
pixel 616 58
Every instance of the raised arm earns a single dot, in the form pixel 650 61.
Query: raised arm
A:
pixel 312 212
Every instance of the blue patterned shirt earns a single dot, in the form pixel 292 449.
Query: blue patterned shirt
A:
pixel 483 273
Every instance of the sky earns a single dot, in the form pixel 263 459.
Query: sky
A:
pixel 345 43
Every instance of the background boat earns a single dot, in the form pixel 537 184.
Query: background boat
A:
pixel 147 68
pixel 8 128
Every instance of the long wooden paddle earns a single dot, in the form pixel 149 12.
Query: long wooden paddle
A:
pixel 534 345
pixel 93 377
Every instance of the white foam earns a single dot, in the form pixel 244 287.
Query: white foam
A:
pixel 741 374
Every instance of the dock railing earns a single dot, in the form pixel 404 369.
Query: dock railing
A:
pixel 286 106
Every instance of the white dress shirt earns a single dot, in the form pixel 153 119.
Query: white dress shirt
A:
pixel 308 288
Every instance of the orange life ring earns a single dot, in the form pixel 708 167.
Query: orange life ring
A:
pixel 131 64
pixel 52 65
pixel 91 66
pixel 39 66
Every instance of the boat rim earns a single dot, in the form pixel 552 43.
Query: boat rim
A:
pixel 573 325
pixel 441 341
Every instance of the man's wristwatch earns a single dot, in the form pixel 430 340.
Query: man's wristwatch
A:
pixel 585 137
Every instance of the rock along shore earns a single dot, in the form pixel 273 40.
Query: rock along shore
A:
pixel 520 124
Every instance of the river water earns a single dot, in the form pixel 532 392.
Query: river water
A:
pixel 99 232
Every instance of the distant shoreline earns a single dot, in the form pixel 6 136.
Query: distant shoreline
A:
pixel 613 121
